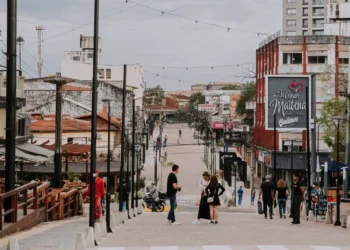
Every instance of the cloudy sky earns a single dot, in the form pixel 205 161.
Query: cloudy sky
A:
pixel 138 32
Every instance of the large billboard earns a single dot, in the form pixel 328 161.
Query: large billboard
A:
pixel 286 97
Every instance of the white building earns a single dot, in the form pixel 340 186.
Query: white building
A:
pixel 78 65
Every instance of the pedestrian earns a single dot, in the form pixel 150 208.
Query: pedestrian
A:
pixel 154 145
pixel 203 210
pixel 172 189
pixel 263 179
pixel 298 197
pixel 165 141
pixel 240 196
pixel 267 192
pixel 180 133
pixel 154 195
pixel 281 197
pixel 99 194
pixel 252 196
pixel 123 192
pixel 212 192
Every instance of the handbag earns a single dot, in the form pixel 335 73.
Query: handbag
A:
pixel 211 199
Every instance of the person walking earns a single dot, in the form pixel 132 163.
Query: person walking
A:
pixel 99 194
pixel 154 145
pixel 267 192
pixel 180 133
pixel 172 189
pixel 240 196
pixel 212 191
pixel 124 192
pixel 281 197
pixel 252 196
pixel 203 210
pixel 298 197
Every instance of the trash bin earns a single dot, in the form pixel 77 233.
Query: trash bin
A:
pixel 344 211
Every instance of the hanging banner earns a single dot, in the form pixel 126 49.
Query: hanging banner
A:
pixel 286 97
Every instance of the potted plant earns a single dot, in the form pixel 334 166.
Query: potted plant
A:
pixel 71 176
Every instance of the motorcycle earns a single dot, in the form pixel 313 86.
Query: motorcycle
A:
pixel 159 202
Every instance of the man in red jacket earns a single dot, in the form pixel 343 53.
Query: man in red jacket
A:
pixel 99 193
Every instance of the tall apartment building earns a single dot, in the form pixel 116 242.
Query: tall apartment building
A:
pixel 308 17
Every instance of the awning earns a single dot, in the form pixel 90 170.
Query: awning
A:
pixel 26 157
pixel 34 149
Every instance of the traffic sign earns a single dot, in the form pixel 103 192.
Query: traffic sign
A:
pixel 196 107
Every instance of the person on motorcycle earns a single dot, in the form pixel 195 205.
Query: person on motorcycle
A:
pixel 153 194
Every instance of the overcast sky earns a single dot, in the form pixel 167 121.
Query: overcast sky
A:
pixel 136 34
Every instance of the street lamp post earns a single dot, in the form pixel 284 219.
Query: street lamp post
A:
pixel 20 42
pixel 108 200
pixel 337 119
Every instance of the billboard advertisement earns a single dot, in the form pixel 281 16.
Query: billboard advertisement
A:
pixel 286 97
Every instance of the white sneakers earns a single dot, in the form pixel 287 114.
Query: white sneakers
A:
pixel 196 222
pixel 173 223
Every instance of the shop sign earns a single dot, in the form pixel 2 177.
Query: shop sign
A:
pixel 261 156
pixel 286 98
pixel 221 125
pixel 211 108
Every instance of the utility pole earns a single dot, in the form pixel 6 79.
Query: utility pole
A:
pixel 122 160
pixel 347 153
pixel 11 88
pixel 40 30
pixel 94 116
pixel 59 82
pixel 133 159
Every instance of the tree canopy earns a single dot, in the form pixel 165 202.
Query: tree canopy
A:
pixel 330 109
pixel 195 99
pixel 248 93
pixel 153 95
pixel 231 87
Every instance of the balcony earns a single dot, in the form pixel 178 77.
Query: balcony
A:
pixel 318 14
pixel 317 25
pixel 305 2
pixel 305 14
pixel 305 26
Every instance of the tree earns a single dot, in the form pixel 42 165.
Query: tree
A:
pixel 331 108
pixel 195 99
pixel 247 94
pixel 153 96
pixel 231 87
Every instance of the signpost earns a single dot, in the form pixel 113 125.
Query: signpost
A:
pixel 234 137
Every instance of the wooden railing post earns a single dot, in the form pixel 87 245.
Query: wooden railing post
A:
pixel 36 199
pixel 1 208
pixel 25 208
pixel 14 203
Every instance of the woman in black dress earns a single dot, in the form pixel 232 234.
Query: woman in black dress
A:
pixel 203 210
pixel 212 191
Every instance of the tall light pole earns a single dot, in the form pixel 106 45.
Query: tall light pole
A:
pixel 108 200
pixel 338 119
pixel 94 116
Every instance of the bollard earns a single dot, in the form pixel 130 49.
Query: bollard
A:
pixel 98 237
pixel 103 226
pixel 348 222
pixel 13 244
pixel 117 218
pixel 80 242
pixel 124 216
pixel 112 224
pixel 89 237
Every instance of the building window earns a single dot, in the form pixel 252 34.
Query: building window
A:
pixel 291 33
pixel 90 55
pixel 101 73
pixel 318 32
pixel 292 58
pixel 226 107
pixel 317 59
pixel 305 23
pixel 291 1
pixel 291 11
pixel 292 22
pixel 305 11
pixel 108 74
pixel 76 58
pixel 77 140
pixel 304 32
pixel 344 60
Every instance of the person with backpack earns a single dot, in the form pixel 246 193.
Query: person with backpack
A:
pixel 213 191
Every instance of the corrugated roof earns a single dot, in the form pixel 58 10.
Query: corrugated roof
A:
pixel 68 125
pixel 103 115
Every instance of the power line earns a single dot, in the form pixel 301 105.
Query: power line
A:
pixel 200 21
pixel 84 25
pixel 199 67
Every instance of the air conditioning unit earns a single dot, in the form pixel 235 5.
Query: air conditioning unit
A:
pixel 245 128
pixel 99 136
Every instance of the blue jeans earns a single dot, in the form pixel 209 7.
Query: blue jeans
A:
pixel 252 200
pixel 171 215
pixel 282 206
pixel 124 205
pixel 240 198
